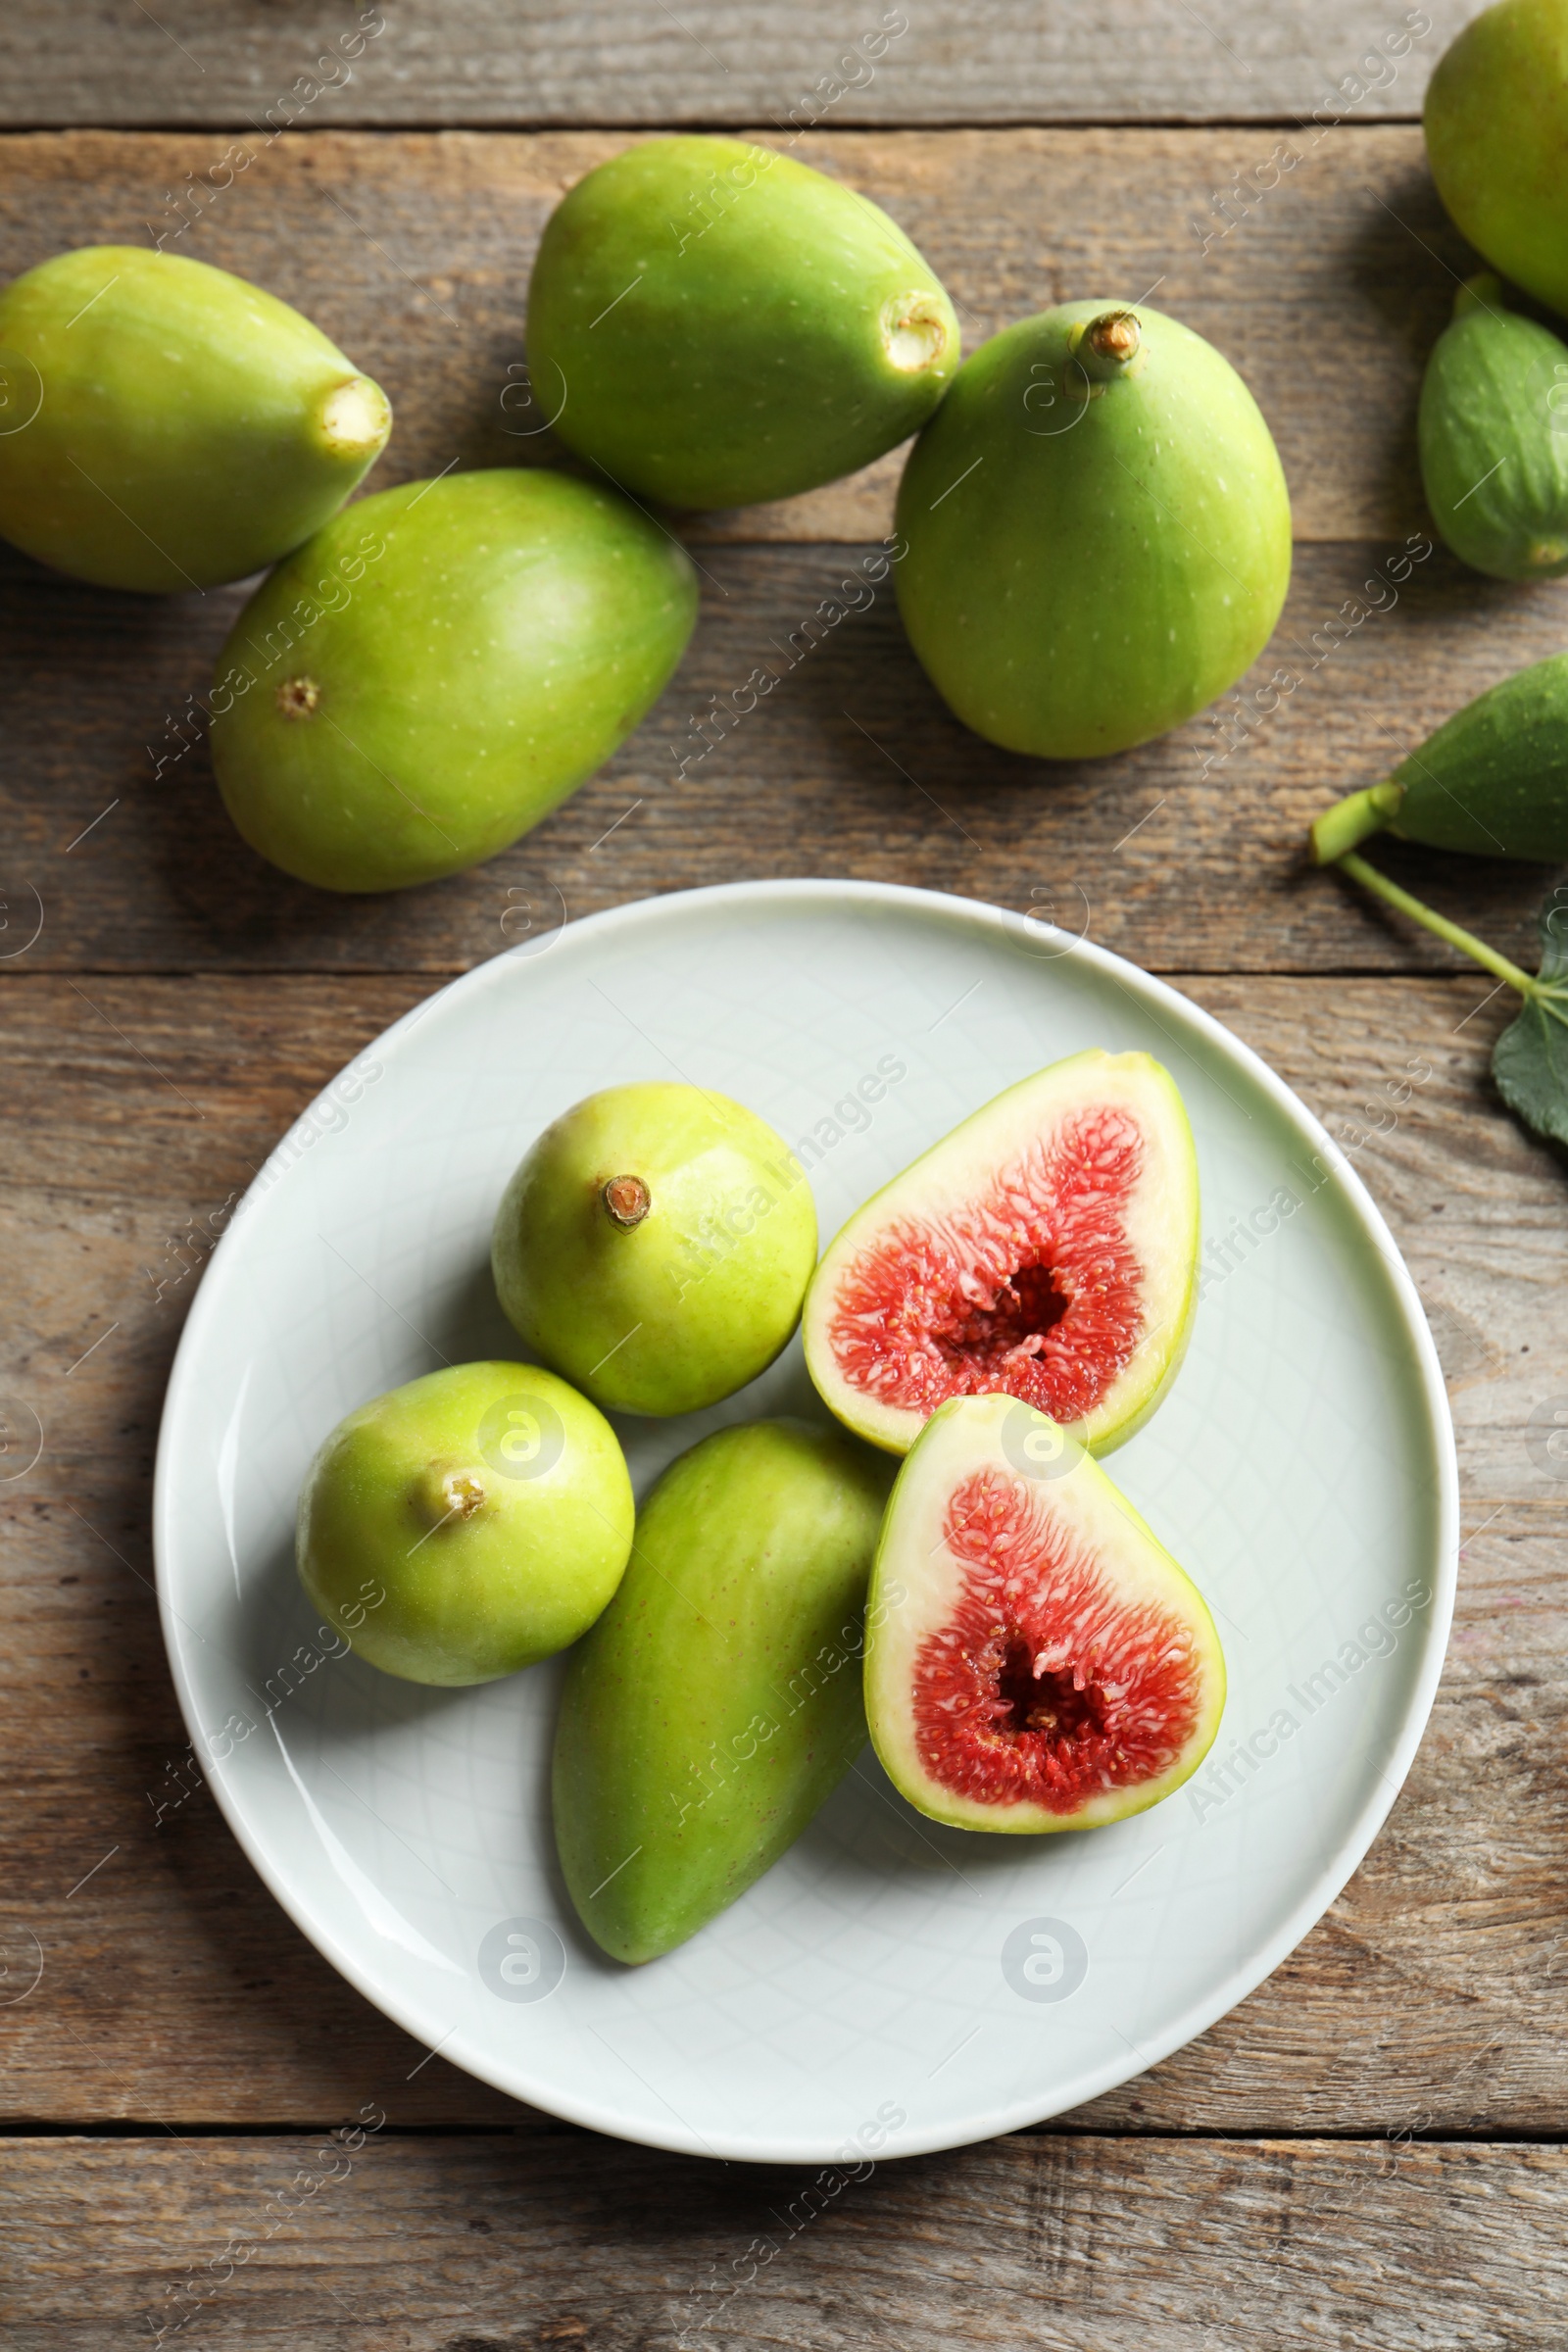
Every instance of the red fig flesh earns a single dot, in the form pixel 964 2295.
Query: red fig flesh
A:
pixel 1047 1249
pixel 1035 1658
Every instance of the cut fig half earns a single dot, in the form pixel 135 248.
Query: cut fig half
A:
pixel 1035 1659
pixel 1047 1249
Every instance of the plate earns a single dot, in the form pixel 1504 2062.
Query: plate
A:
pixel 890 1987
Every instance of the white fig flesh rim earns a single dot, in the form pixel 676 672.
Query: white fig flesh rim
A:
pixel 938 1193
pixel 918 1585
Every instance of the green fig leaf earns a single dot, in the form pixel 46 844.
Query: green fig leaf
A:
pixel 1530 1059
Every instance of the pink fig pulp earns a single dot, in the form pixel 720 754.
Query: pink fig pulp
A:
pixel 1046 1250
pixel 1035 1658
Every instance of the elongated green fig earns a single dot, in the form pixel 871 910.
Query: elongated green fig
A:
pixel 716 1703
pixel 1492 781
pixel 1035 1659
pixel 1497 127
pixel 1047 1249
pixel 166 425
pixel 432 673
pixel 714 323
pixel 1098 532
pixel 466 1524
pixel 1493 432
pixel 654 1244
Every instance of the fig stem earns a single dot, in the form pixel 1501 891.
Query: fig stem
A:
pixel 628 1200
pixel 444 1491
pixel 355 416
pixel 1109 345
pixel 1350 820
pixel 1482 292
pixel 1438 924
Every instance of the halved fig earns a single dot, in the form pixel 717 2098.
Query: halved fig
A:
pixel 1035 1659
pixel 1047 1249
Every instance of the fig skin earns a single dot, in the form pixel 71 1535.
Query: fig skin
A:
pixel 713 325
pixel 1493 437
pixel 716 1704
pixel 1099 541
pixel 1497 131
pixel 489 1503
pixel 691 1299
pixel 909 1601
pixel 190 428
pixel 438 668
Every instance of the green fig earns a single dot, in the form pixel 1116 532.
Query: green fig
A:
pixel 655 1246
pixel 1098 532
pixel 714 324
pixel 432 673
pixel 165 425
pixel 466 1524
pixel 1493 433
pixel 1492 780
pixel 716 1704
pixel 1496 129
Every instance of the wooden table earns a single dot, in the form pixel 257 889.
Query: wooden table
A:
pixel 1368 2152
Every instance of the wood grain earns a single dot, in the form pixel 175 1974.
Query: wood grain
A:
pixel 1187 854
pixel 482 2245
pixel 172 1984
pixel 180 1003
pixel 714 60
pixel 1326 282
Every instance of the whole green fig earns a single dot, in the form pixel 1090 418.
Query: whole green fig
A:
pixel 429 675
pixel 466 1524
pixel 654 1244
pixel 718 1703
pixel 1497 127
pixel 1098 532
pixel 714 323
pixel 1493 434
pixel 166 425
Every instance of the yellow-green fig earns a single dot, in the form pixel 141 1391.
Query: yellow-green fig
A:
pixel 440 667
pixel 466 1524
pixel 165 425
pixel 1496 129
pixel 1098 532
pixel 654 1244
pixel 714 322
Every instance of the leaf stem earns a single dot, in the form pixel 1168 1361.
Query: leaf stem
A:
pixel 1439 925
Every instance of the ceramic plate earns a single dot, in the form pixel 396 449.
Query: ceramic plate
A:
pixel 890 1987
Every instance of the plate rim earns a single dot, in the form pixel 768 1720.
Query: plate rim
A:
pixel 1236 1983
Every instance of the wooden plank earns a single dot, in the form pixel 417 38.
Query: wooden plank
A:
pixel 467 2246
pixel 724 61
pixel 172 1985
pixel 1327 294
pixel 1187 854
pixel 1326 286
